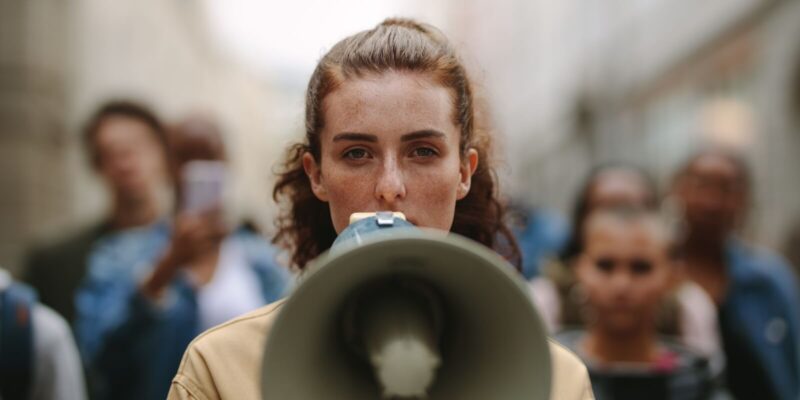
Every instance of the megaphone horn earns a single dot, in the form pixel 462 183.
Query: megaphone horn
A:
pixel 407 314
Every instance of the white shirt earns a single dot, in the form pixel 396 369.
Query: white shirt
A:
pixel 234 289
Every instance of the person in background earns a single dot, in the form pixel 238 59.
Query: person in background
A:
pixel 754 290
pixel 540 234
pixel 38 357
pixel 688 312
pixel 150 290
pixel 791 246
pixel 625 273
pixel 126 144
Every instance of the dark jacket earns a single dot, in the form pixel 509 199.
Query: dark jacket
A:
pixel 56 269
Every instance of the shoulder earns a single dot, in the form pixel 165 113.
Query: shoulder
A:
pixel 51 328
pixel 53 339
pixel 570 379
pixel 758 267
pixel 255 323
pixel 57 365
pixel 694 300
pixel 227 358
pixel 757 259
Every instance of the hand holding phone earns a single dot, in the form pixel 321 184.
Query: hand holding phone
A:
pixel 203 186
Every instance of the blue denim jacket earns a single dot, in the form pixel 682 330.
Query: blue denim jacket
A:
pixel 764 305
pixel 543 236
pixel 130 345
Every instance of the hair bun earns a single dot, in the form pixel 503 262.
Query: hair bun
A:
pixel 405 23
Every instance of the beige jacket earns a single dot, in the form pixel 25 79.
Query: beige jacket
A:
pixel 225 363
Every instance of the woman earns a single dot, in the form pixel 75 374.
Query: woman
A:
pixel 687 312
pixel 625 268
pixel 390 125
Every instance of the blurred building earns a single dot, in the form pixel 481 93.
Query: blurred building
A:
pixel 574 83
pixel 570 84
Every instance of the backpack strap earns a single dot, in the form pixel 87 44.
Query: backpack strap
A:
pixel 16 341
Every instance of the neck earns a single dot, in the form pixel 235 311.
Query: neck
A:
pixel 612 347
pixel 705 248
pixel 128 213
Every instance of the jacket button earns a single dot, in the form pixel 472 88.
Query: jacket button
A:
pixel 775 331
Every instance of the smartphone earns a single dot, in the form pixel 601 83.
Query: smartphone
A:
pixel 203 185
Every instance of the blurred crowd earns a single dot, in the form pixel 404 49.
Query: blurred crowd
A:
pixel 651 287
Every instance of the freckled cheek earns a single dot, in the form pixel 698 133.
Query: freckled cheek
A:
pixel 348 193
pixel 432 196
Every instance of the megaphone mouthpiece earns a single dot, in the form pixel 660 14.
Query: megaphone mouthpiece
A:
pixel 399 323
pixel 405 368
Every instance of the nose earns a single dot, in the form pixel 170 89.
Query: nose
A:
pixel 390 186
pixel 621 282
pixel 120 162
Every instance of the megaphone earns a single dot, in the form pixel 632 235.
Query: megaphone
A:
pixel 407 314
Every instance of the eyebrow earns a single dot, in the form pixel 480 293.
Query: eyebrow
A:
pixel 423 134
pixel 360 137
pixel 367 137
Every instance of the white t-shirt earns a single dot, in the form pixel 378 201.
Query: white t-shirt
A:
pixel 235 288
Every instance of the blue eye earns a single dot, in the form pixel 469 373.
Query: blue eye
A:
pixel 424 152
pixel 356 154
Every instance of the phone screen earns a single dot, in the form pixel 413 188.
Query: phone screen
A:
pixel 203 184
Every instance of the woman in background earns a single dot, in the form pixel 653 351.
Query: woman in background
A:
pixel 687 312
pixel 625 271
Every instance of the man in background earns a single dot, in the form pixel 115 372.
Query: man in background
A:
pixel 126 144
pixel 755 291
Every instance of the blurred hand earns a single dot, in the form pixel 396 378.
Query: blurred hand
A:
pixel 195 244
pixel 194 236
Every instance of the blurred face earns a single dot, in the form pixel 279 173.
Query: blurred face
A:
pixel 618 188
pixel 130 158
pixel 625 272
pixel 390 144
pixel 712 194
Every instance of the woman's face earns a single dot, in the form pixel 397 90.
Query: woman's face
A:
pixel 625 271
pixel 390 144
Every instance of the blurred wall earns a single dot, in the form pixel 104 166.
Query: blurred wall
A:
pixel 34 178
pixel 60 60
pixel 575 83
pixel 569 84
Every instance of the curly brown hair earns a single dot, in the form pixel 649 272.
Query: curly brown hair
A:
pixel 304 225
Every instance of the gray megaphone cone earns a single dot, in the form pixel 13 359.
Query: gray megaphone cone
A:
pixel 460 303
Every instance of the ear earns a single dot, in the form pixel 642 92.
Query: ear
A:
pixel 315 176
pixel 468 166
